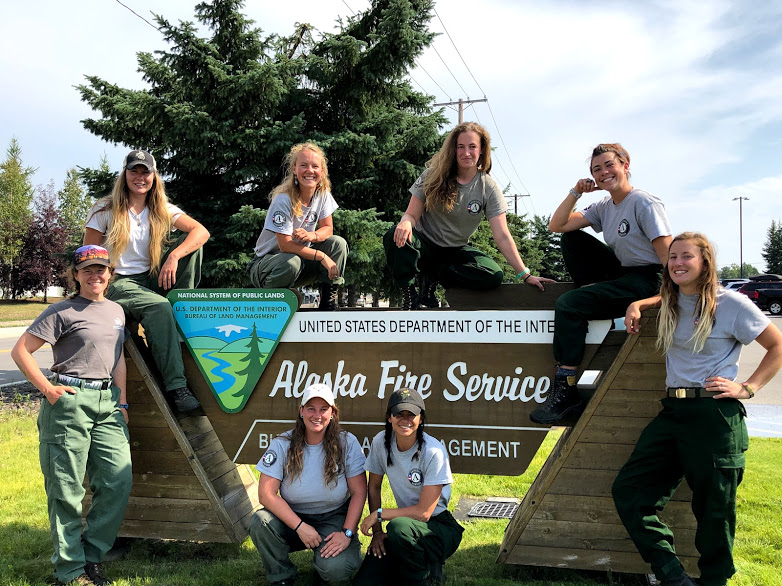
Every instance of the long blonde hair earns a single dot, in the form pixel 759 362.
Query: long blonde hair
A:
pixel 160 221
pixel 706 306
pixel 333 462
pixel 440 186
pixel 290 185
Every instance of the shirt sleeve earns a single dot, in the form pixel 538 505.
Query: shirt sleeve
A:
pixel 592 215
pixel 98 220
pixel 653 219
pixel 272 462
pixel 48 326
pixel 279 218
pixel 417 188
pixel 748 321
pixel 174 212
pixel 355 461
pixel 495 203
pixel 437 468
pixel 329 206
pixel 376 461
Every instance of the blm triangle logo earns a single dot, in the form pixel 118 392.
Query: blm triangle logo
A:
pixel 231 333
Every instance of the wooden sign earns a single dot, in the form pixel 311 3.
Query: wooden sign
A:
pixel 480 373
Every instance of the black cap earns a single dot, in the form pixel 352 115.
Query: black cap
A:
pixel 140 158
pixel 405 400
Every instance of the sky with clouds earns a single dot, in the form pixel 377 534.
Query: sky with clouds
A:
pixel 692 89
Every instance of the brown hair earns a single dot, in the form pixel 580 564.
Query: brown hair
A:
pixel 440 186
pixel 290 186
pixel 706 307
pixel 611 147
pixel 332 448
pixel 75 286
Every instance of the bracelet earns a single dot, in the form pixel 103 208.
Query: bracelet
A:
pixel 525 279
pixel 299 525
pixel 380 515
pixel 124 406
pixel 749 390
pixel 575 193
pixel 315 236
pixel 522 273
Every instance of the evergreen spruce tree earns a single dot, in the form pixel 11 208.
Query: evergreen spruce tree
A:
pixel 772 249
pixel 73 205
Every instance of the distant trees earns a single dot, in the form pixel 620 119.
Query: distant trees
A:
pixel 772 249
pixel 733 271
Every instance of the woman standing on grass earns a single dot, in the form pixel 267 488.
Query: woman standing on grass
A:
pixel 421 533
pixel 82 425
pixel 700 434
pixel 134 224
pixel 430 243
pixel 313 488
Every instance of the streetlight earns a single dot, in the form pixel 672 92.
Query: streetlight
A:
pixel 741 236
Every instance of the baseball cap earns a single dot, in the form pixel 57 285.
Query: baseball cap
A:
pixel 318 390
pixel 405 400
pixel 91 255
pixel 140 158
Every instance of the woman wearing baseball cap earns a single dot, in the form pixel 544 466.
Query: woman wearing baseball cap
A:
pixel 135 223
pixel 313 488
pixel 82 424
pixel 421 533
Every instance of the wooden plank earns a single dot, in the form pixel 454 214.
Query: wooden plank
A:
pixel 642 376
pixel 646 352
pixel 610 407
pixel 614 430
pixel 594 536
pixel 173 530
pixel 601 510
pixel 582 482
pixel 167 486
pixel 599 456
pixel 152 439
pixel 507 296
pixel 618 561
pixel 219 469
pixel 160 463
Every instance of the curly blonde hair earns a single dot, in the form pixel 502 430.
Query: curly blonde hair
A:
pixel 440 186
pixel 160 221
pixel 706 306
pixel 290 186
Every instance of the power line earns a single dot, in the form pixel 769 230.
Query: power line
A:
pixel 502 140
pixel 449 71
pixel 137 14
pixel 458 53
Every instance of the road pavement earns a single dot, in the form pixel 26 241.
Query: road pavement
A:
pixel 764 412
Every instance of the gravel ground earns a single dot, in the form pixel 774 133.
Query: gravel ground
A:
pixel 20 397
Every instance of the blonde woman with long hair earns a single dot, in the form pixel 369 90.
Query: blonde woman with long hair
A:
pixel 135 223
pixel 430 245
pixel 313 488
pixel 700 434
pixel 297 245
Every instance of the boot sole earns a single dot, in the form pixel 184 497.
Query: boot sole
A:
pixel 536 419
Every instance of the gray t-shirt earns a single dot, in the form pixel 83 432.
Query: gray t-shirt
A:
pixel 309 494
pixel 406 476
pixel 737 322
pixel 480 197
pixel 86 336
pixel 629 227
pixel 280 219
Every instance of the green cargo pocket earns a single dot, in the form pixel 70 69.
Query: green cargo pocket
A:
pixel 54 459
pixel 728 474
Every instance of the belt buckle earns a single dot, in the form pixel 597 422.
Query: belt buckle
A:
pixel 681 393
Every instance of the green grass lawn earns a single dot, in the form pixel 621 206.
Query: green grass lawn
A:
pixel 25 546
pixel 23 309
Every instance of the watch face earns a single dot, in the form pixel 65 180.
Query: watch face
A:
pixel 348 533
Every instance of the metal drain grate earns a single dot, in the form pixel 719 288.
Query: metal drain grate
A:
pixel 494 510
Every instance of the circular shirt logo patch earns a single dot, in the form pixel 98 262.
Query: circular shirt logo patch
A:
pixel 279 219
pixel 474 207
pixel 416 477
pixel 624 228
pixel 269 458
pixel 310 218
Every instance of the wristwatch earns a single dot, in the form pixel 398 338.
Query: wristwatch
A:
pixel 379 515
pixel 348 533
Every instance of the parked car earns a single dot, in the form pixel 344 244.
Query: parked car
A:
pixel 767 277
pixel 749 289
pixel 769 299
pixel 734 284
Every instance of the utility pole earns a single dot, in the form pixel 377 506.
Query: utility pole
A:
pixel 461 104
pixel 741 235
pixel 516 197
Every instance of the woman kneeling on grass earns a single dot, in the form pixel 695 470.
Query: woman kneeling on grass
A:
pixel 82 425
pixel 421 533
pixel 313 488
pixel 700 434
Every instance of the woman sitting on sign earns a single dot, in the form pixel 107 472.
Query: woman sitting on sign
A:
pixel 609 276
pixel 134 224
pixel 313 488
pixel 82 424
pixel 430 243
pixel 297 245
pixel 700 434
pixel 421 533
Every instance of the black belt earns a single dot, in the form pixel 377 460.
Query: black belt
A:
pixel 689 393
pixel 98 384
